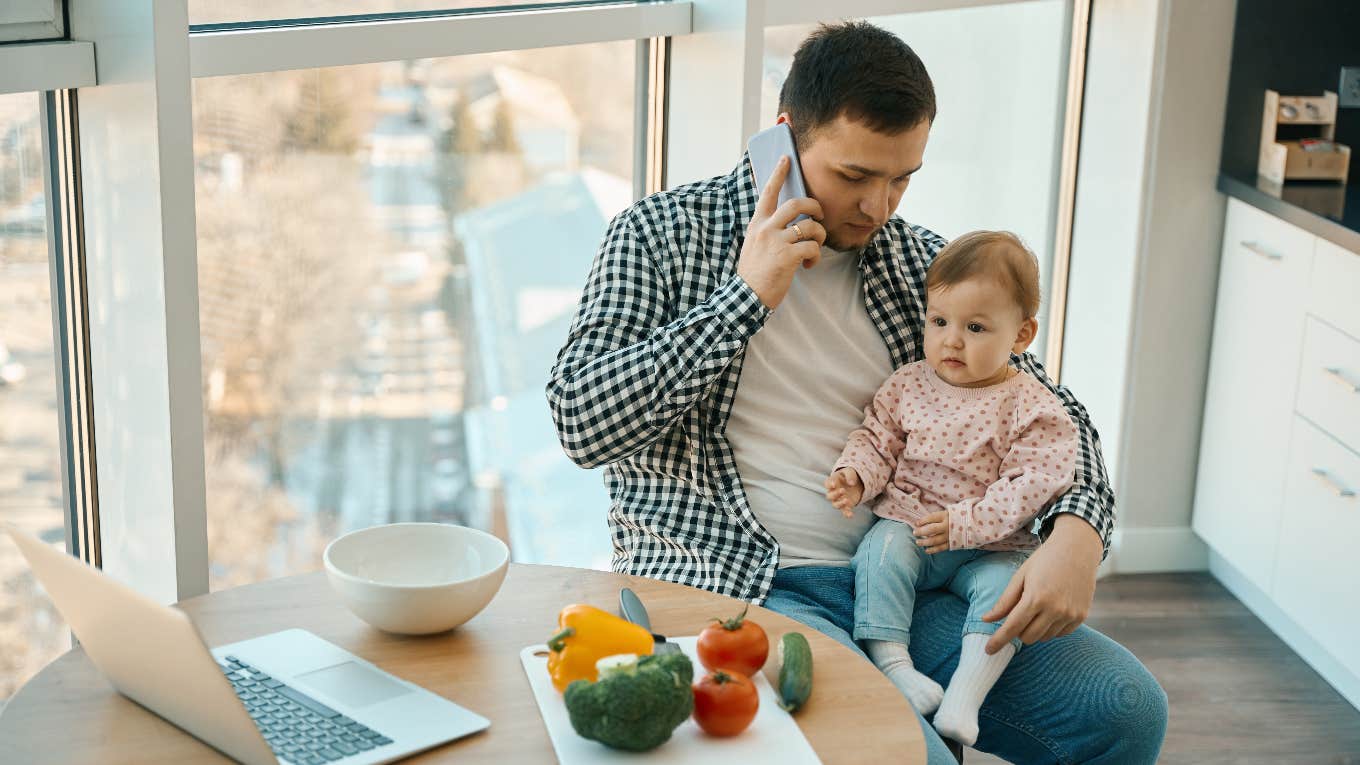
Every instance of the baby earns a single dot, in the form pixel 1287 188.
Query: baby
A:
pixel 957 454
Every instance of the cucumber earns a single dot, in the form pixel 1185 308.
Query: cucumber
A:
pixel 795 671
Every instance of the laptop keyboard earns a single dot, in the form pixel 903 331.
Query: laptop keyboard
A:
pixel 299 728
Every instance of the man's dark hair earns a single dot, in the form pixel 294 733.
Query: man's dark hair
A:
pixel 859 70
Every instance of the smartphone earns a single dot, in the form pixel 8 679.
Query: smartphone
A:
pixel 765 148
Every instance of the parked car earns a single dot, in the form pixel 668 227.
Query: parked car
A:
pixel 11 372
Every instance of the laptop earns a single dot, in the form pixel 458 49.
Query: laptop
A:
pixel 288 697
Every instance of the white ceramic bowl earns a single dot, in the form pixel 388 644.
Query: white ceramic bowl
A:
pixel 416 578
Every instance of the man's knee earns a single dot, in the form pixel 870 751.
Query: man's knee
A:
pixel 1130 710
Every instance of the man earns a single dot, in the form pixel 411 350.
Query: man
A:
pixel 720 357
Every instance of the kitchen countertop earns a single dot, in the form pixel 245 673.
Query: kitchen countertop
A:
pixel 1327 210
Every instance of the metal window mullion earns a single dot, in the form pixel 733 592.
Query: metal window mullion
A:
pixel 641 87
pixel 1061 267
pixel 649 116
pixel 270 49
pixel 70 324
pixel 713 89
pixel 43 66
pixel 658 110
pixel 139 247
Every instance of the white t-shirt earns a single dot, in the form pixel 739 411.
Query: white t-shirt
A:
pixel 805 380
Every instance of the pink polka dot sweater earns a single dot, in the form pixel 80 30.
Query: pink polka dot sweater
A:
pixel 992 457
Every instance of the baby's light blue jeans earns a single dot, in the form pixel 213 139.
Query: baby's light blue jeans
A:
pixel 890 567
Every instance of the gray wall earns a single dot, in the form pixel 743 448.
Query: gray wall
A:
pixel 1145 259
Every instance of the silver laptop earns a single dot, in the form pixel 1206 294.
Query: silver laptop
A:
pixel 288 697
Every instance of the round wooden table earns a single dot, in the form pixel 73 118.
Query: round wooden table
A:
pixel 69 713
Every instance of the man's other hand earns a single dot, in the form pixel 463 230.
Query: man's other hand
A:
pixel 1050 595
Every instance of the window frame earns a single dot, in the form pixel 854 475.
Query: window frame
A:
pixel 70 323
pixel 44 66
pixel 344 42
pixel 32 20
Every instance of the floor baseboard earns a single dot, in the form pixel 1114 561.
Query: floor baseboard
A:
pixel 1157 549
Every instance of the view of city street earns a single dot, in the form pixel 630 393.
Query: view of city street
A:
pixel 31 631
pixel 389 258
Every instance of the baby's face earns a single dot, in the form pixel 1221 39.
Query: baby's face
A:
pixel 972 328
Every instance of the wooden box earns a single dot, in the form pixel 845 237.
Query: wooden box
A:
pixel 1286 159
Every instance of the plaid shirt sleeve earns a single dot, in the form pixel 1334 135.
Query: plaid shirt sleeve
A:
pixel 1090 497
pixel 628 369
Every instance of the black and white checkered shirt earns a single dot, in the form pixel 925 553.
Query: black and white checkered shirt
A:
pixel 645 382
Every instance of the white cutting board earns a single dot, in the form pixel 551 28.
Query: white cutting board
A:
pixel 772 737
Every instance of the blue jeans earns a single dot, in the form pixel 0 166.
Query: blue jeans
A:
pixel 890 567
pixel 1078 698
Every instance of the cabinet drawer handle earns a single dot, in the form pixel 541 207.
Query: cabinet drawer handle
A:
pixel 1340 488
pixel 1345 377
pixel 1262 251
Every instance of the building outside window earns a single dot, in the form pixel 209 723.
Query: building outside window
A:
pixel 389 258
pixel 1000 72
pixel 32 633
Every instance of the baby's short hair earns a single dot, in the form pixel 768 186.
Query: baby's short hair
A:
pixel 998 255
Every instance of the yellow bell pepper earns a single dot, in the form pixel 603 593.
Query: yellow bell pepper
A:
pixel 587 635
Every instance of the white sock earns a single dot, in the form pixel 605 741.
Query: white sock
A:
pixel 894 661
pixel 977 673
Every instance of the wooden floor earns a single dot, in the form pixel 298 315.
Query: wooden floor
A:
pixel 1237 693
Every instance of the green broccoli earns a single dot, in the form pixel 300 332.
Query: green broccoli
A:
pixel 636 703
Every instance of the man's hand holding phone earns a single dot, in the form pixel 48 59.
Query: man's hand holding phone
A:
pixel 773 250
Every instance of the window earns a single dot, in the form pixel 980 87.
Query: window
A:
pixel 31 631
pixel 389 254
pixel 29 20
pixel 1000 75
pixel 389 258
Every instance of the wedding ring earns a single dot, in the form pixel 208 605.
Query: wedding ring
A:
pixel 799 233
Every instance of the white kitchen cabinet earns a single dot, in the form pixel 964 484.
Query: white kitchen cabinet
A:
pixel 1329 381
pixel 1335 292
pixel 1253 368
pixel 1317 570
pixel 1278 491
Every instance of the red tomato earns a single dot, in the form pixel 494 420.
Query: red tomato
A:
pixel 725 702
pixel 734 643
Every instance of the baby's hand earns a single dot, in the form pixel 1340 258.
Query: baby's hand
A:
pixel 844 489
pixel 932 532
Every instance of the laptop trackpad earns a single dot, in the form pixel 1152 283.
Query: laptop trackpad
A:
pixel 354 684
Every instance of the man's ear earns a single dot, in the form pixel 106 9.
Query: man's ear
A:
pixel 784 118
pixel 1029 329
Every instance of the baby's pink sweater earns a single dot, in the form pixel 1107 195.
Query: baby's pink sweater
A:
pixel 993 457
